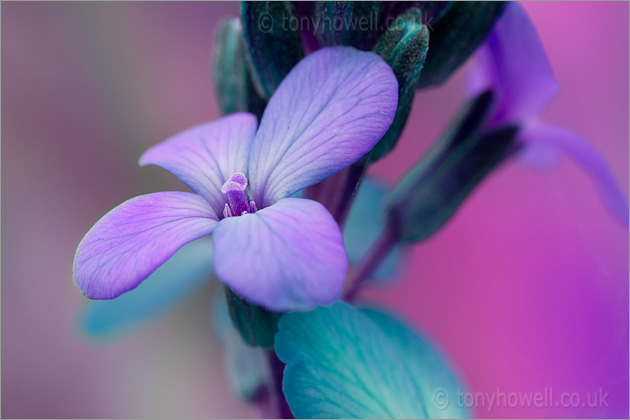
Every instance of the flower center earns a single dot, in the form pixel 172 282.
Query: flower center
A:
pixel 238 202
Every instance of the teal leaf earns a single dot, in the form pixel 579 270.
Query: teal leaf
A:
pixel 457 34
pixel 232 82
pixel 272 40
pixel 434 374
pixel 352 23
pixel 184 273
pixel 404 48
pixel 245 366
pixel 436 186
pixel 366 223
pixel 347 363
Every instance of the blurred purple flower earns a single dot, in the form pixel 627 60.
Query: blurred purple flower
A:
pixel 513 63
pixel 279 252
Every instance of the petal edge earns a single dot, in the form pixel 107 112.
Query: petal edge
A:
pixel 131 241
pixel 583 152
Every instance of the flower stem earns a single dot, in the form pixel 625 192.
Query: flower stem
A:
pixel 349 186
pixel 370 262
pixel 277 372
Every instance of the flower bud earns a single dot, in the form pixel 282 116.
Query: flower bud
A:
pixel 353 23
pixel 404 48
pixel 232 82
pixel 456 35
pixel 271 32
pixel 441 180
pixel 432 11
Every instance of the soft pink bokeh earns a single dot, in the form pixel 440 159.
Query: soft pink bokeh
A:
pixel 526 288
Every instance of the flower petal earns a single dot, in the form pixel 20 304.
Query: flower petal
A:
pixel 285 257
pixel 181 275
pixel 539 156
pixel 134 239
pixel 205 156
pixel 330 110
pixel 513 62
pixel 346 363
pixel 559 139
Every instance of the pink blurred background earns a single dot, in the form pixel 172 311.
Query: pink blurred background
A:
pixel 526 288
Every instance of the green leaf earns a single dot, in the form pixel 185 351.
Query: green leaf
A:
pixel 232 82
pixel 456 36
pixel 353 23
pixel 273 42
pixel 346 363
pixel 440 181
pixel 404 48
pixel 256 324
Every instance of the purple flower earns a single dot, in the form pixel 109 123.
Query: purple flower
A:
pixel 279 252
pixel 513 63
